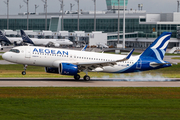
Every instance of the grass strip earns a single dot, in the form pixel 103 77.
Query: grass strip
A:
pixel 90 103
pixel 1 58
pixel 171 54
pixel 176 58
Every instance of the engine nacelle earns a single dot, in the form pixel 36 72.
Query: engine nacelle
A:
pixel 18 42
pixel 52 70
pixel 56 45
pixel 68 69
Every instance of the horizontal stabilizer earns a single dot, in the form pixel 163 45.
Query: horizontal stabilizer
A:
pixel 154 64
pixel 159 64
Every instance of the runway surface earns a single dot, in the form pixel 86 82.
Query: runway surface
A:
pixel 42 82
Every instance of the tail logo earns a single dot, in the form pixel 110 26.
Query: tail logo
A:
pixel 161 42
pixel 160 47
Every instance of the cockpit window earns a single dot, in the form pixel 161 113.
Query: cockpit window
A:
pixel 15 50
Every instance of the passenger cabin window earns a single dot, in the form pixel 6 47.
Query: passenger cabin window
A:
pixel 15 50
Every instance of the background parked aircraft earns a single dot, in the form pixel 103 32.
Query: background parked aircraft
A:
pixel 45 42
pixel 11 40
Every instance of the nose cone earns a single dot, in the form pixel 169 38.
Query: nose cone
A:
pixel 4 56
pixel 71 43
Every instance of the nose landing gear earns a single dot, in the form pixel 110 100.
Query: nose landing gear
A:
pixel 24 72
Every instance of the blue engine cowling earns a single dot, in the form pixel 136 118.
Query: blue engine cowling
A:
pixel 68 69
pixel 52 70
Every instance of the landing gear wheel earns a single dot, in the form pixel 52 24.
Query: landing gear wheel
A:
pixel 86 78
pixel 23 72
pixel 77 77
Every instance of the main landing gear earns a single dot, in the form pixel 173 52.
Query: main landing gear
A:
pixel 24 72
pixel 86 77
pixel 77 77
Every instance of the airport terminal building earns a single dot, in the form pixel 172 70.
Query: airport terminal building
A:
pixel 141 28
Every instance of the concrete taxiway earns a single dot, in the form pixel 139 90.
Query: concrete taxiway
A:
pixel 42 82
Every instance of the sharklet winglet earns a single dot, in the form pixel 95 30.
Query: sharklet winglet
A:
pixel 129 55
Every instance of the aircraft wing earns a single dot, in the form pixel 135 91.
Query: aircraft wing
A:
pixel 93 65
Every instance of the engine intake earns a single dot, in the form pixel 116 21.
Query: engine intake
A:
pixel 68 69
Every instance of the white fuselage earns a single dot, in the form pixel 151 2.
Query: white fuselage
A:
pixel 52 57
pixel 57 42
pixel 18 40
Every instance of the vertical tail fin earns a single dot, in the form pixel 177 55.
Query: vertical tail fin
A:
pixel 4 38
pixel 25 38
pixel 158 48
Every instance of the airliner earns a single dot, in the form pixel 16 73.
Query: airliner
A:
pixel 72 62
pixel 45 42
pixel 11 40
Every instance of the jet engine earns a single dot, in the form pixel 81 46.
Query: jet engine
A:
pixel 52 70
pixel 68 69
pixel 56 45
pixel 16 43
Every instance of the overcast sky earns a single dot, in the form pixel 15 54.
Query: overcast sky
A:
pixel 151 6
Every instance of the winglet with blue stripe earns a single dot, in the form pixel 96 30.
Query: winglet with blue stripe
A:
pixel 84 48
pixel 127 57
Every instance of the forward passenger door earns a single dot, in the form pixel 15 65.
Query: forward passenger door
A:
pixel 28 53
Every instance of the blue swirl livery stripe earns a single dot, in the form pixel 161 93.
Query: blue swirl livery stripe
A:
pixel 158 56
pixel 161 41
pixel 128 69
pixel 158 48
